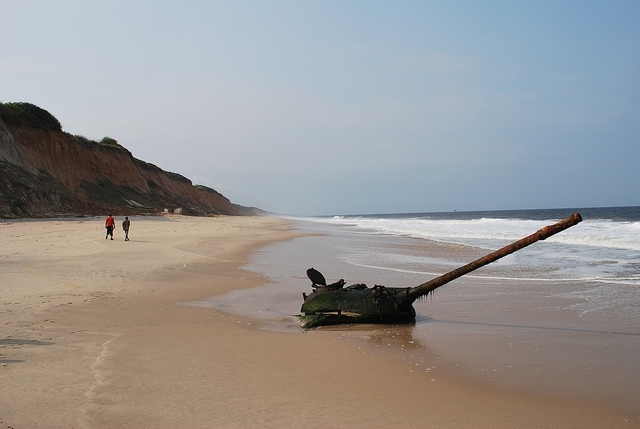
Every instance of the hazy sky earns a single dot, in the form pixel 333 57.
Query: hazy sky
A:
pixel 348 107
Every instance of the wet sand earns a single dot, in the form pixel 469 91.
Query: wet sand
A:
pixel 95 335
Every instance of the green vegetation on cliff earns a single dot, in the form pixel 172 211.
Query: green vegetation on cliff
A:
pixel 29 115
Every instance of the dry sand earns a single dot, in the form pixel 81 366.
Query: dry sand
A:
pixel 92 336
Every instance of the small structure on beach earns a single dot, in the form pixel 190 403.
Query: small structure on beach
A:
pixel 174 211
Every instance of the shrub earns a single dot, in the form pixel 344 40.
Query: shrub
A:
pixel 27 114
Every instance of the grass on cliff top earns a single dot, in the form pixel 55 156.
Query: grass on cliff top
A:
pixel 207 189
pixel 106 142
pixel 29 115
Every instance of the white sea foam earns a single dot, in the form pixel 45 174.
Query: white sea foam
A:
pixel 599 250
pixel 486 231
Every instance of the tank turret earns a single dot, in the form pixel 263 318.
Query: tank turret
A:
pixel 337 304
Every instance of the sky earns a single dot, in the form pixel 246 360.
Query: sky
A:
pixel 348 107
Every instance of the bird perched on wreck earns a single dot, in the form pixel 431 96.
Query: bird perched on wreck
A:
pixel 316 277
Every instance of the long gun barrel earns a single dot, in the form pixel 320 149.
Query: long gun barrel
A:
pixel 333 304
pixel 542 234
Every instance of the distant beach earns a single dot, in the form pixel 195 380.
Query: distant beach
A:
pixel 99 333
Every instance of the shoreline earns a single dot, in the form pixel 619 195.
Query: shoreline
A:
pixel 93 336
pixel 522 336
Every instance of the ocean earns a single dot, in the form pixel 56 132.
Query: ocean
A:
pixel 603 248
pixel 560 316
pixel 603 251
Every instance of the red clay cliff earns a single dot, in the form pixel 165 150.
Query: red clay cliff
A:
pixel 46 172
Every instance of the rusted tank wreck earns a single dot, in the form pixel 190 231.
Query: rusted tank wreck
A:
pixel 336 304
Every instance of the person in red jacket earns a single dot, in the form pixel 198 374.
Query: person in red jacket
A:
pixel 110 224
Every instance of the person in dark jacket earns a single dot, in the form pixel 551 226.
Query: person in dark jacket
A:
pixel 125 226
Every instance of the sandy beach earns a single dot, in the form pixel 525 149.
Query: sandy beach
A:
pixel 93 335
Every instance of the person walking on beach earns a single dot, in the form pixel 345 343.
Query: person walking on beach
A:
pixel 125 227
pixel 110 223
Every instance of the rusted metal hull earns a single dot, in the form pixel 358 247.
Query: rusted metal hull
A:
pixel 367 305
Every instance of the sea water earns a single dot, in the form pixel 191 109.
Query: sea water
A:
pixel 605 247
pixel 602 251
pixel 560 315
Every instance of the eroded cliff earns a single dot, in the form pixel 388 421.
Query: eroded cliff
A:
pixel 47 172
